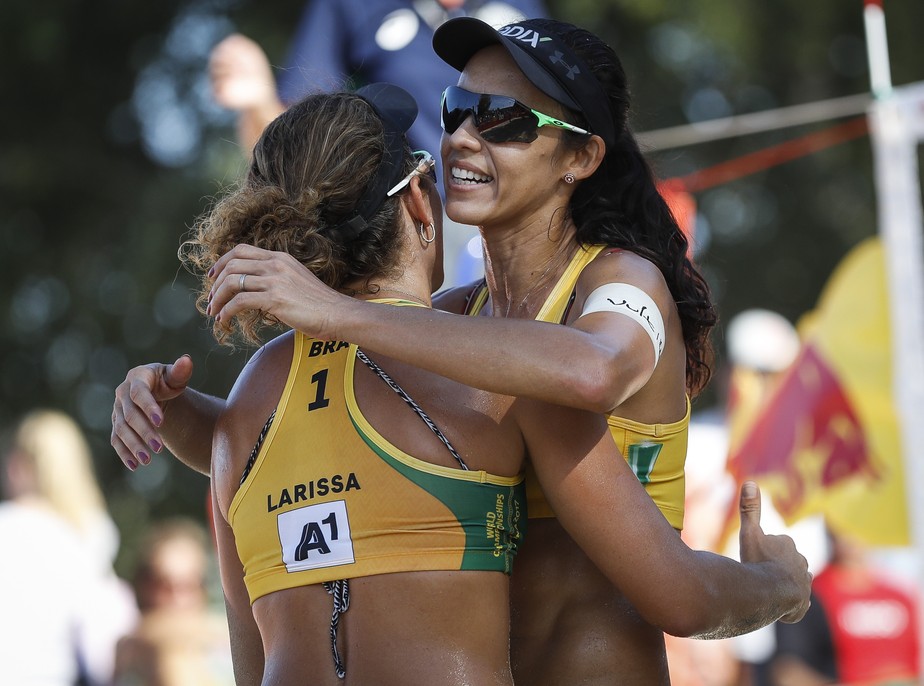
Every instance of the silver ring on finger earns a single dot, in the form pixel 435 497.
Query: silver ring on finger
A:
pixel 240 284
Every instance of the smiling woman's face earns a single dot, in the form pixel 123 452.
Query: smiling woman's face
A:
pixel 491 184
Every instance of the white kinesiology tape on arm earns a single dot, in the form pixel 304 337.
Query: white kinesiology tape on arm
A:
pixel 634 303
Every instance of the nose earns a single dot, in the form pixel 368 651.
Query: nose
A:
pixel 466 136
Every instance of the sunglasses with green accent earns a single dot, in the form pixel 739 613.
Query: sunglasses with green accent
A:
pixel 497 118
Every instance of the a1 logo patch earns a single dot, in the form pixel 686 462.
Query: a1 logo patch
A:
pixel 316 536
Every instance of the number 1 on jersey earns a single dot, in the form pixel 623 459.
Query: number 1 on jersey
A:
pixel 320 400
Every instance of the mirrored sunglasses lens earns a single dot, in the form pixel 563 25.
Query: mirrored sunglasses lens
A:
pixel 452 119
pixel 510 125
pixel 498 118
pixel 456 108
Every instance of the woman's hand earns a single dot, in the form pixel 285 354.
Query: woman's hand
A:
pixel 241 75
pixel 250 278
pixel 138 410
pixel 779 551
pixel 155 408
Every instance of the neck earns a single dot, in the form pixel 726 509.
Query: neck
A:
pixel 522 266
pixel 402 289
pixel 394 293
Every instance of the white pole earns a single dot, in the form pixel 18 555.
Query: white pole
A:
pixel 896 129
pixel 877 48
pixel 900 225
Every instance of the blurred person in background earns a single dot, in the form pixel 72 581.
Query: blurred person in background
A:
pixel 65 608
pixel 862 627
pixel 178 640
pixel 363 41
pixel 338 42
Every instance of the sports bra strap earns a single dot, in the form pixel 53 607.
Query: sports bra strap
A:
pixel 413 405
pixel 472 296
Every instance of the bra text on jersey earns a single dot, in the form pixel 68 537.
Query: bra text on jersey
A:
pixel 326 347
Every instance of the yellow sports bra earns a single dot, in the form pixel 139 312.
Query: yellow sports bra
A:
pixel 328 498
pixel 656 452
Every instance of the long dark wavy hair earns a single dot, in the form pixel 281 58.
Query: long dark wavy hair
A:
pixel 310 168
pixel 620 205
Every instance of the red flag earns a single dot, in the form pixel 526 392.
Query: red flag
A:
pixel 828 438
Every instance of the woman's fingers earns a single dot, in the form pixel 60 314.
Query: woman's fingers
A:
pixel 134 415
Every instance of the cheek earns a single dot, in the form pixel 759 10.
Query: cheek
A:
pixel 522 167
pixel 530 180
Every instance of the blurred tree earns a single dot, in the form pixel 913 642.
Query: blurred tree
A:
pixel 110 147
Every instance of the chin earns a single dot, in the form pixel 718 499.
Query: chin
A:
pixel 464 212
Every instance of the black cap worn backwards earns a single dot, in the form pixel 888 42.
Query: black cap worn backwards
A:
pixel 397 109
pixel 544 59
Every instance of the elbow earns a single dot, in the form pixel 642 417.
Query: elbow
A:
pixel 600 378
pixel 588 399
pixel 697 615
pixel 684 627
pixel 680 623
pixel 597 390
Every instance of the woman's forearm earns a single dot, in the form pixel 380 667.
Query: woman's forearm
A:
pixel 524 358
pixel 587 369
pixel 733 598
pixel 189 422
pixel 603 507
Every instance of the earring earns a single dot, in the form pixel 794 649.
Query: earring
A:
pixel 427 236
pixel 569 178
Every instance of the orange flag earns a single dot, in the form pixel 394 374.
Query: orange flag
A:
pixel 828 439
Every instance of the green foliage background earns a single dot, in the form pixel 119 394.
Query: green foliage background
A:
pixel 92 212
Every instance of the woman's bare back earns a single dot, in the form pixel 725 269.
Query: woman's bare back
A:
pixel 570 625
pixel 406 629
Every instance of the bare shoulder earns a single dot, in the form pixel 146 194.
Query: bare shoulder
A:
pixel 251 402
pixel 455 299
pixel 269 359
pixel 623 266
